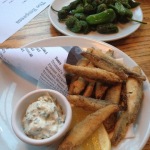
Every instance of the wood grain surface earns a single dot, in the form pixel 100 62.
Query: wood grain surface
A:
pixel 137 45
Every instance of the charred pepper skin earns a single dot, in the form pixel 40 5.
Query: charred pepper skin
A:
pixel 106 16
pixel 107 28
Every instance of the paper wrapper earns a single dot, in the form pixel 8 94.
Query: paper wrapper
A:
pixel 46 66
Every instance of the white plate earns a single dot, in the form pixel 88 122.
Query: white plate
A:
pixel 14 84
pixel 124 29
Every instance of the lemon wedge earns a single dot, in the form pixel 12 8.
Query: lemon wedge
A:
pixel 99 140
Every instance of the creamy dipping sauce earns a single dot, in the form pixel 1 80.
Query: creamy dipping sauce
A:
pixel 43 118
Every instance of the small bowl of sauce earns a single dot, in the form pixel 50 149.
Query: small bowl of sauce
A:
pixel 42 117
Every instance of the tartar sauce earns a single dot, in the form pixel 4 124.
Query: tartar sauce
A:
pixel 43 118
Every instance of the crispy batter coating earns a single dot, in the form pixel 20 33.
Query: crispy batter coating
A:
pixel 87 103
pixel 86 127
pixel 113 95
pixel 134 89
pixel 93 73
pixel 108 63
pixel 120 129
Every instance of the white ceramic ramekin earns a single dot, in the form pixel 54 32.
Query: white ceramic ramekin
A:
pixel 20 109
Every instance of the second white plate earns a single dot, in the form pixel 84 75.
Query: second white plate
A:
pixel 124 29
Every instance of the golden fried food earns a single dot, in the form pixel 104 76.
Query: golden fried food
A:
pixel 120 129
pixel 100 90
pixel 98 52
pixel 110 122
pixel 99 140
pixel 87 103
pixel 134 89
pixel 86 127
pixel 113 94
pixel 71 86
pixel 105 62
pixel 110 53
pixel 123 97
pixel 89 89
pixel 93 73
pixel 108 63
pixel 79 85
pixel 83 62
pixel 100 86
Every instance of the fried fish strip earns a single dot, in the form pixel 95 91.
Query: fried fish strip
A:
pixel 108 63
pixel 100 90
pixel 89 89
pixel 113 94
pixel 93 73
pixel 78 83
pixel 120 129
pixel 94 51
pixel 90 86
pixel 87 103
pixel 71 86
pixel 86 127
pixel 134 90
pixel 110 53
pixel 123 97
pixel 82 62
pixel 110 122
pixel 98 52
pixel 105 62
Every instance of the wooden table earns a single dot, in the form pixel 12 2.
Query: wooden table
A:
pixel 137 45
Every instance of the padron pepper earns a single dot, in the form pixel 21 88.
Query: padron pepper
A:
pixel 121 10
pixel 106 16
pixel 107 28
pixel 124 14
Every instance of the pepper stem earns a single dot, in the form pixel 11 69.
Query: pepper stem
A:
pixel 54 9
pixel 137 21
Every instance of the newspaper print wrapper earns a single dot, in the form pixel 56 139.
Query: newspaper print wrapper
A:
pixel 45 64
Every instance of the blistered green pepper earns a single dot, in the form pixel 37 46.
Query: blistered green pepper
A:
pixel 101 7
pixel 127 17
pixel 125 3
pixel 121 10
pixel 73 24
pixel 107 28
pixel 123 14
pixel 79 9
pixel 106 16
pixel 80 16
